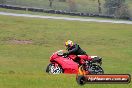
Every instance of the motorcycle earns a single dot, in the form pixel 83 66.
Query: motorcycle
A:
pixel 66 64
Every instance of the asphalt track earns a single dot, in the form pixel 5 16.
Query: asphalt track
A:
pixel 67 18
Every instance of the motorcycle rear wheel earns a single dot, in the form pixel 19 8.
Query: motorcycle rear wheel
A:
pixel 96 69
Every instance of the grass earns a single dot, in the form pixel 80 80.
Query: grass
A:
pixel 23 65
pixel 90 6
pixel 57 15
pixel 44 14
pixel 56 4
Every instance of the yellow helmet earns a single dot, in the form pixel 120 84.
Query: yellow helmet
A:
pixel 69 43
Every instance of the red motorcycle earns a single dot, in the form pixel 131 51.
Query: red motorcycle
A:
pixel 66 64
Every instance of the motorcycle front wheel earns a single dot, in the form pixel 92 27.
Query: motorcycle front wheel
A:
pixel 54 69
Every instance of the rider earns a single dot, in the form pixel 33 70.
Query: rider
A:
pixel 75 49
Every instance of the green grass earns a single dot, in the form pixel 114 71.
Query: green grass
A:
pixel 44 14
pixel 56 4
pixel 49 14
pixel 87 6
pixel 23 65
pixel 90 6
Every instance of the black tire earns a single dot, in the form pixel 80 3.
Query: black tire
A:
pixel 81 80
pixel 51 69
pixel 101 70
pixel 47 68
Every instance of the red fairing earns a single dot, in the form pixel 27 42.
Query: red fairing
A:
pixel 68 65
pixel 73 57
pixel 85 57
pixel 54 56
